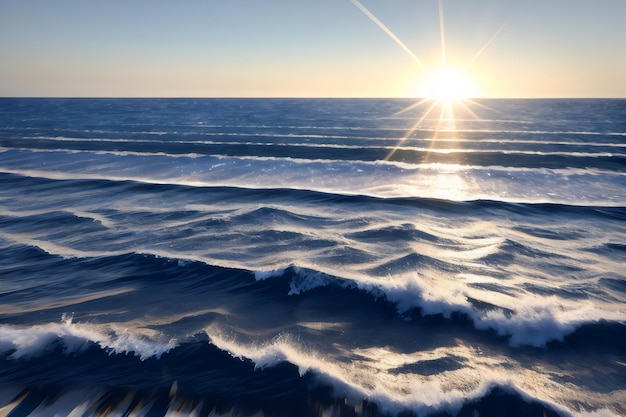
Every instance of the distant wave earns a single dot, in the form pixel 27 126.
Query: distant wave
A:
pixel 407 154
pixel 561 183
pixel 380 145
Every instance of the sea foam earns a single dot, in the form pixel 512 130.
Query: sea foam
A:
pixel 33 341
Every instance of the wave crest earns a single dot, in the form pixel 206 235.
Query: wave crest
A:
pixel 36 340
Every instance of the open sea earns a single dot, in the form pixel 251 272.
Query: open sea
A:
pixel 312 257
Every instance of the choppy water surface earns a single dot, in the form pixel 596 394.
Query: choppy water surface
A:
pixel 312 257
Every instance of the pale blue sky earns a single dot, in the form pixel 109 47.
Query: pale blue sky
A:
pixel 303 48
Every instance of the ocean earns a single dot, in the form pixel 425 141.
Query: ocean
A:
pixel 312 257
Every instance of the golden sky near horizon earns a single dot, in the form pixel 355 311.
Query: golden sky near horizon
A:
pixel 310 48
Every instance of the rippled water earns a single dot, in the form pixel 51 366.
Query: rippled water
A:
pixel 311 257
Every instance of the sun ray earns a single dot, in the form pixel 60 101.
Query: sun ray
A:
pixel 446 114
pixel 467 109
pixel 444 88
pixel 411 130
pixel 388 31
pixel 411 107
pixel 485 46
pixel 442 35
pixel 476 103
pixel 447 84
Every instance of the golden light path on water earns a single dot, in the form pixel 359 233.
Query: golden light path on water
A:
pixel 446 90
pixel 443 89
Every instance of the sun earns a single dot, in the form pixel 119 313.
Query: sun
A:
pixel 448 84
pixel 445 85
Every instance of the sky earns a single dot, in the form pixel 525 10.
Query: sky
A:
pixel 310 48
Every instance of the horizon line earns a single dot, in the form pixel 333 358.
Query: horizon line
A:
pixel 310 97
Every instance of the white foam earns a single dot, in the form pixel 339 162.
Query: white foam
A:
pixel 433 296
pixel 262 275
pixel 538 320
pixel 597 413
pixel 526 319
pixel 306 279
pixel 369 374
pixel 33 341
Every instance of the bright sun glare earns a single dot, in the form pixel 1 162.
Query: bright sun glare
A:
pixel 444 90
pixel 448 84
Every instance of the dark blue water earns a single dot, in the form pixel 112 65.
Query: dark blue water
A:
pixel 305 257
